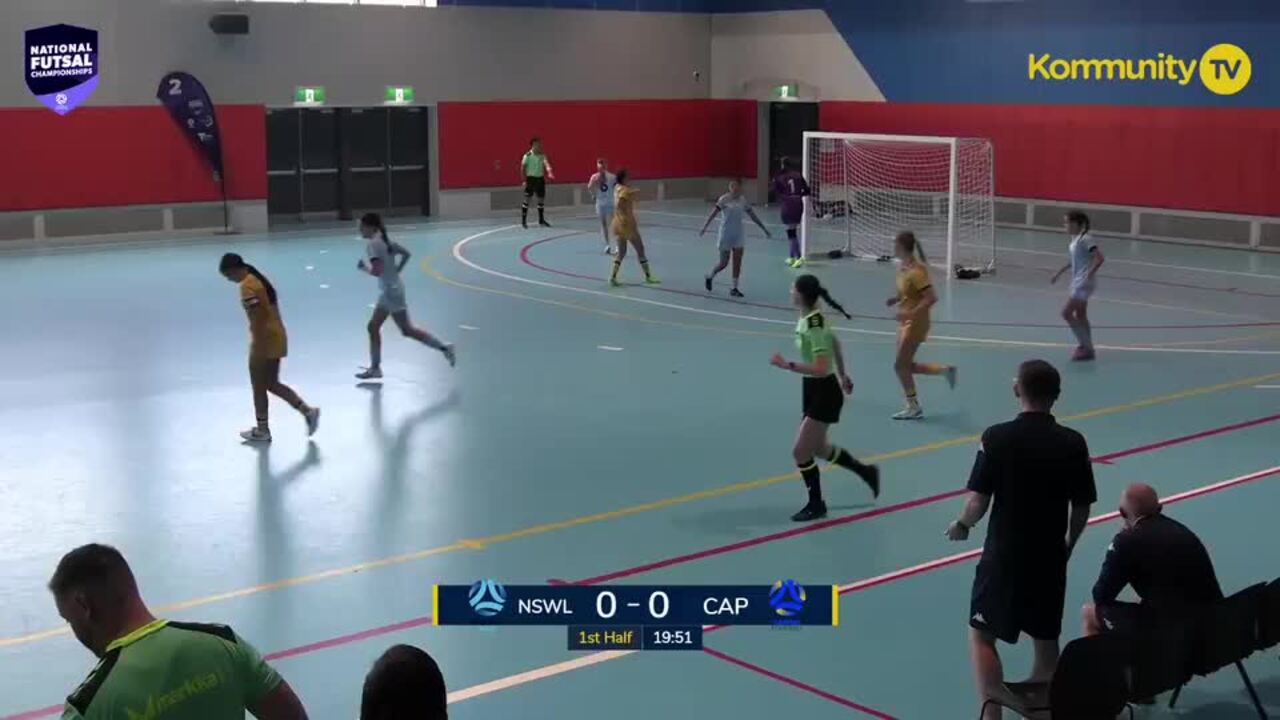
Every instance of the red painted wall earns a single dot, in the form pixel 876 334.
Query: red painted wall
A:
pixel 1213 159
pixel 481 143
pixel 107 156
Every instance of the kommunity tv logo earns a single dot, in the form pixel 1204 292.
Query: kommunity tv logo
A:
pixel 1223 69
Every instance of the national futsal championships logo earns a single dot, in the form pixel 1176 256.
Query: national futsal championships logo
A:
pixel 787 599
pixel 487 598
pixel 1223 69
pixel 61 65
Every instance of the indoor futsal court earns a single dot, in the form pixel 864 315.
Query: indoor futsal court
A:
pixel 185 179
pixel 633 436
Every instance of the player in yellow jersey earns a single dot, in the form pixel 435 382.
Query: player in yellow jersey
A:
pixel 268 345
pixel 914 298
pixel 626 230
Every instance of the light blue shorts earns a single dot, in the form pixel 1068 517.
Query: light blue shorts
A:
pixel 604 212
pixel 392 300
pixel 729 242
pixel 1082 292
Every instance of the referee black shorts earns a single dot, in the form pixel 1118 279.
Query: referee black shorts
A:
pixel 1006 603
pixel 535 186
pixel 822 399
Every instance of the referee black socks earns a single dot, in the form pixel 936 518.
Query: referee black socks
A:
pixel 812 481
pixel 870 474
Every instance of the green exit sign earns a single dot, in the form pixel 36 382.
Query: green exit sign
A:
pixel 308 96
pixel 790 91
pixel 398 95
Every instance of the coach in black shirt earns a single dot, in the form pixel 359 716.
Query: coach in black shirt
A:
pixel 1029 471
pixel 1165 563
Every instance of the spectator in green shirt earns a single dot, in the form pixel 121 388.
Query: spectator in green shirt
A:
pixel 151 669
pixel 536 170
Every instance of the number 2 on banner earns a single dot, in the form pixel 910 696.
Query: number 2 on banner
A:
pixel 175 86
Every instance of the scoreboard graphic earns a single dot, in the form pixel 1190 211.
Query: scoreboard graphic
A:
pixel 636 617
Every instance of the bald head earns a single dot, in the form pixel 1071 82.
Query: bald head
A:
pixel 1140 500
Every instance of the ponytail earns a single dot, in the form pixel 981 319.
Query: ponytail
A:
pixel 1079 218
pixel 232 261
pixel 271 290
pixel 826 297
pixel 811 290
pixel 907 241
pixel 374 220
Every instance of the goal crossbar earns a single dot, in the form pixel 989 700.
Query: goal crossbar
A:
pixel 867 187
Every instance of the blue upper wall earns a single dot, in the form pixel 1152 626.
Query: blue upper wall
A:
pixel 977 51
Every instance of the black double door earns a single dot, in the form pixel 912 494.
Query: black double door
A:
pixel 788 122
pixel 335 163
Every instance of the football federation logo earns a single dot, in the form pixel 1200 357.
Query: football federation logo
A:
pixel 786 598
pixel 487 598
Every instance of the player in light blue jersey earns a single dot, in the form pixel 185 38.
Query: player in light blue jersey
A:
pixel 1086 258
pixel 386 260
pixel 600 186
pixel 731 207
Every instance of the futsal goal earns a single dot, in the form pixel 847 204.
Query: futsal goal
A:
pixel 867 188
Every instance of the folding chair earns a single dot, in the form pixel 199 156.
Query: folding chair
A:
pixel 1226 635
pixel 1269 617
pixel 1090 683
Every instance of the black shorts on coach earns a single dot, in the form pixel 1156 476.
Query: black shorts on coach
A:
pixel 822 399
pixel 1007 602
pixel 535 186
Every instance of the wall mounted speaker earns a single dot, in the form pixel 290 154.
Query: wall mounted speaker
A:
pixel 229 24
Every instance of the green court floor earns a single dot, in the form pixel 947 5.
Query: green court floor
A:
pixel 633 435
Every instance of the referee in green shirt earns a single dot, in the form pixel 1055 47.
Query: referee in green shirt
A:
pixel 152 669
pixel 535 168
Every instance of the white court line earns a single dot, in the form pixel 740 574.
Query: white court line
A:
pixel 459 245
pixel 610 348
pixel 1267 387
pixel 596 658
pixel 464 327
pixel 1002 249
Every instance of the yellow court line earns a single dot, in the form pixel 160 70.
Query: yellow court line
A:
pixel 484 542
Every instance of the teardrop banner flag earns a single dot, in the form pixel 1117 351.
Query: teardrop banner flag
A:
pixel 61 65
pixel 191 108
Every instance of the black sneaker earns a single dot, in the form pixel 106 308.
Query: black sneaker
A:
pixel 707 282
pixel 812 511
pixel 544 223
pixel 872 478
pixel 735 293
pixel 524 223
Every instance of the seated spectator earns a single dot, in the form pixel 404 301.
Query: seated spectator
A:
pixel 152 668
pixel 1164 562
pixel 404 684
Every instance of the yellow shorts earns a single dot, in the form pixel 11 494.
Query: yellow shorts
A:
pixel 625 229
pixel 916 331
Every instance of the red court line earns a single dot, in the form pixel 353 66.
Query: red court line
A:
pixel 1187 438
pixel 527 260
pixel 797 684
pixel 814 527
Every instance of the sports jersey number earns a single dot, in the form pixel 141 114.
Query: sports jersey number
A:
pixel 791 183
pixel 604 186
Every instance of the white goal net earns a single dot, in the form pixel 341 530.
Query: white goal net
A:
pixel 867 188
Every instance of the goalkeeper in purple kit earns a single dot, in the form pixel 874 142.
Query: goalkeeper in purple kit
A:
pixel 791 190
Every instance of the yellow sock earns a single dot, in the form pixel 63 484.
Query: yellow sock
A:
pixel 929 369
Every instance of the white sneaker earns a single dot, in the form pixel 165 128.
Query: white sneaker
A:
pixel 369 374
pixel 313 420
pixel 911 412
pixel 256 435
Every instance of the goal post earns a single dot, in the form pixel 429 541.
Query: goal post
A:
pixel 866 188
